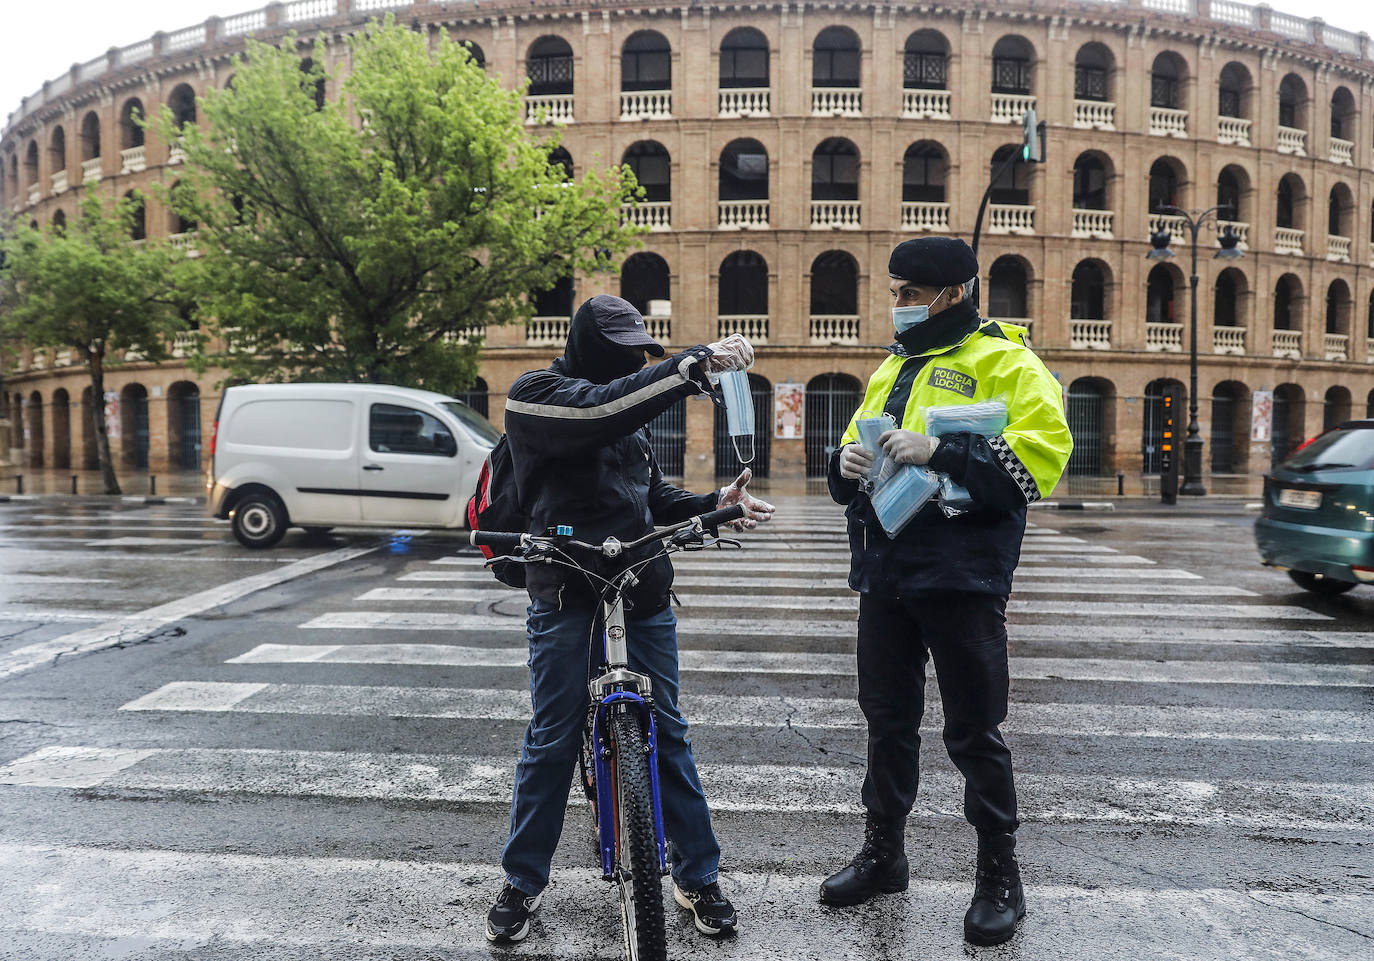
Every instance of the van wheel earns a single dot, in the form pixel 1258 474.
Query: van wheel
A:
pixel 259 520
pixel 1319 584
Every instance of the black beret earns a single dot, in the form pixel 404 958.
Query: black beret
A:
pixel 933 261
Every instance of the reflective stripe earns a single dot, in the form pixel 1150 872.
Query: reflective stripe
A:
pixel 608 409
pixel 1008 459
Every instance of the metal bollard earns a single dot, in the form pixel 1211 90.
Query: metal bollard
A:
pixel 152 484
pixel 73 483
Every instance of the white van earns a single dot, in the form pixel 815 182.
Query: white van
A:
pixel 319 456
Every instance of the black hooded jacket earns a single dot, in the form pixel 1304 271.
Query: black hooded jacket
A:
pixel 582 458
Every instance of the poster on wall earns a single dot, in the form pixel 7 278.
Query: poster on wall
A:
pixel 112 414
pixel 789 402
pixel 1262 417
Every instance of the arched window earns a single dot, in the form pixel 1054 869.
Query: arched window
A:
pixel 549 66
pixel 1338 308
pixel 59 222
pixel 1343 115
pixel 1088 294
pixel 925 61
pixel 1013 185
pixel 1228 290
pixel 133 416
pixel 1089 182
pixel 835 170
pixel 182 103
pixel 1012 64
pixel 31 164
pixel 743 59
pixel 312 81
pixel 177 224
pixel 1092 73
pixel 832 400
pixel 1335 407
pixel 1232 186
pixel 744 171
pixel 1087 417
pixel 1230 427
pixel 644 282
pixel 183 425
pixel 90 136
pixel 1160 289
pixel 1293 102
pixel 652 167
pixel 1340 210
pixel 1233 91
pixel 130 124
pixel 1164 185
pixel 477 397
pixel 1289 205
pixel 476 55
pixel 925 168
pixel 1287 293
pixel 646 62
pixel 835 58
pixel 138 223
pixel 34 411
pixel 1008 289
pixel 559 157
pixel 834 285
pixel 1287 417
pixel 743 285
pixel 57 150
pixel 1166 81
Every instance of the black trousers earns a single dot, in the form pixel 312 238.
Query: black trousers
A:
pixel 966 634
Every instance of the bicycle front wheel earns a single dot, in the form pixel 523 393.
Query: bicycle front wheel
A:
pixel 637 875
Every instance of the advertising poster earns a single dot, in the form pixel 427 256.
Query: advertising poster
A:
pixel 112 414
pixel 789 404
pixel 1262 417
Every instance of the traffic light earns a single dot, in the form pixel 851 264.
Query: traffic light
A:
pixel 1032 138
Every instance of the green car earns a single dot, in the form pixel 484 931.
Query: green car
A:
pixel 1318 521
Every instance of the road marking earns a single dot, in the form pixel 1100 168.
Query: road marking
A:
pixel 138 541
pixel 737 788
pixel 12 553
pixel 165 900
pixel 130 627
pixel 113 528
pixel 41 579
pixel 478 576
pixel 41 615
pixel 782 711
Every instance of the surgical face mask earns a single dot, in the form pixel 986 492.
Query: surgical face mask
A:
pixel 905 318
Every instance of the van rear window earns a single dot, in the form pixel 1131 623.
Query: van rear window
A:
pixel 303 424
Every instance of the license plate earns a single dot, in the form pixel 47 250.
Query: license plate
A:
pixel 1303 500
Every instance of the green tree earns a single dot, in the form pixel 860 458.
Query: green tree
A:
pixel 370 236
pixel 91 287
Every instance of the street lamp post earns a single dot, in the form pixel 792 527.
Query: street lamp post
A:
pixel 1160 250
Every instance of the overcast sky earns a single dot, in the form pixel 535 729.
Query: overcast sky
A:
pixel 39 42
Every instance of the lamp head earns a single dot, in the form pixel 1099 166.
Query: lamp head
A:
pixel 1159 246
pixel 1230 245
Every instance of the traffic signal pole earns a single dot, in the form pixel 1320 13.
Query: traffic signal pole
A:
pixel 1032 151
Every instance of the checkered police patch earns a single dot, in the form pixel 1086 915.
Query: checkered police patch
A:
pixel 1015 468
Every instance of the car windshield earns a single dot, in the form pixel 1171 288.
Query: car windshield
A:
pixel 477 426
pixel 1349 447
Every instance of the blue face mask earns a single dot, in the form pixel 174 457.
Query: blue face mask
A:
pixel 905 318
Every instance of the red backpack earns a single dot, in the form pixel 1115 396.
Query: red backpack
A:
pixel 494 507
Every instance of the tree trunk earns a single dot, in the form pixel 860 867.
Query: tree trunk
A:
pixel 96 362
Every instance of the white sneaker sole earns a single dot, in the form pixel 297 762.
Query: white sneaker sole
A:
pixel 686 904
pixel 519 935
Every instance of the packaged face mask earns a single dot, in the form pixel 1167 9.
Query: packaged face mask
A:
pixel 988 418
pixel 898 499
pixel 739 412
pixel 954 499
pixel 870 427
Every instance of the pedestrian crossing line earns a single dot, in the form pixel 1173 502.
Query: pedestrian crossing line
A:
pixel 479 576
pixel 13 614
pixel 1154 634
pixel 350 908
pixel 757 711
pixel 762 604
pixel 731 788
pixel 33 553
pixel 221 528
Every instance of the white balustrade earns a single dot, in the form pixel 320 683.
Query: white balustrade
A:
pixel 40 360
pixel 183 343
pixel 742 214
pixel 59 182
pixel 468 335
pixel 35 193
pixel 184 39
pixel 926 105
pixel 646 105
pixel 309 10
pixel 64 358
pixel 1239 14
pixel 90 171
pixel 243 23
pixel 1342 151
pixel 1338 249
pixel 1093 223
pixel 1010 107
pixel 1228 340
pixel 655 215
pixel 176 153
pixel 836 102
pixel 235 342
pixel 754 327
pixel 920 215
pixel 1173 223
pixel 1233 130
pixel 1369 349
pixel 132 160
pixel 1336 346
pixel 1288 240
pixel 1094 115
pixel 547 332
pixel 182 241
pixel 1240 229
pixel 744 102
pixel 1011 219
pixel 1166 337
pixel 838 214
pixel 1292 141
pixel 831 329
pixel 1288 343
pixel 1090 334
pixel 659 328
pixel 1166 122
pixel 549 108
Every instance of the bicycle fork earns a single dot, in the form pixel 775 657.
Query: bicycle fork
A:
pixel 620 689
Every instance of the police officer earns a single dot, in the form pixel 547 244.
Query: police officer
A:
pixel 939 588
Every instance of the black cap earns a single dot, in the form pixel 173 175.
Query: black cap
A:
pixel 617 320
pixel 933 262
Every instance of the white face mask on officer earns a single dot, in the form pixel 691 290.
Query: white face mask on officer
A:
pixel 905 318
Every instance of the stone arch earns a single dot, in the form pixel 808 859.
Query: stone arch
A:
pixel 1092 179
pixel 925 173
pixel 138 215
pixel 835 170
pixel 475 53
pixel 832 400
pixel 1290 209
pixel 183 426
pixel 1231 299
pixel 1336 406
pixel 134 426
pixel 31 164
pixel 559 157
pixel 1164 287
pixel 1288 303
pixel 1235 91
pixel 653 168
pixel 646 62
pixel 1344 115
pixel 743 286
pixel 1229 443
pixel 834 278
pixel 313 81
pixel 1089 285
pixel 549 66
pixel 33 426
pixel 57 149
pixel 1091 416
pixel 478 397
pixel 1168 80
pixel 1289 415
pixel 182 103
pixel 90 136
pixel 835 56
pixel 645 281
pixel 1293 102
pixel 1234 192
pixel 1094 69
pixel 925 61
pixel 1013 185
pixel 61 429
pixel 1338 307
pixel 1168 180
pixel 1009 288
pixel 130 124
pixel 744 60
pixel 1340 212
pixel 1013 65
pixel 743 171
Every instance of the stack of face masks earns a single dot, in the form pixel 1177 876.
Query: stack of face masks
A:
pixel 988 418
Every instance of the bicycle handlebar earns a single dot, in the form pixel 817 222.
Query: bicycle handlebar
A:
pixel 499 540
pixel 504 540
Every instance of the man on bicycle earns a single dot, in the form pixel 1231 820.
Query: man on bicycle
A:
pixel 581 457
pixel 939 587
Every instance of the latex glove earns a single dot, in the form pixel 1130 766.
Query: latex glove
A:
pixel 855 461
pixel 732 353
pixel 908 447
pixel 755 510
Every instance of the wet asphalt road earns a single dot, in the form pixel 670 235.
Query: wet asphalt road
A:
pixel 207 753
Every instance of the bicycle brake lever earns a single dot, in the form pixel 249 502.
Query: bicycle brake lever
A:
pixel 726 543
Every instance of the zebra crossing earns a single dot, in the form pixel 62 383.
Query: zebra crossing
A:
pixel 1156 712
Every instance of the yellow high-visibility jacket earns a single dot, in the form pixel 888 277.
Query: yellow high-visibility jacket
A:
pixel 976 551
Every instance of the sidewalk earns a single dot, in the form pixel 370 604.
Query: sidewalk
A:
pixel 47 483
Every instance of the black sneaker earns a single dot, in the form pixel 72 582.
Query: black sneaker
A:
pixel 714 914
pixel 509 918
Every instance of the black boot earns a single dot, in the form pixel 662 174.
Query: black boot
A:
pixel 879 868
pixel 998 901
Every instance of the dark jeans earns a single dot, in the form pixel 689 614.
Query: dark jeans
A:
pixel 559 642
pixel 966 635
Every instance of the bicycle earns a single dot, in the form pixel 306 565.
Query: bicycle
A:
pixel 619 757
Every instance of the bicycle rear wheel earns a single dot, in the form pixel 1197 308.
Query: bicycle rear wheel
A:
pixel 637 877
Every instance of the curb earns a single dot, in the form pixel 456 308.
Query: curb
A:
pixel 1075 505
pixel 12 498
pixel 142 499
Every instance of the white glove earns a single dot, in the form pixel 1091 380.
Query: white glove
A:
pixel 755 510
pixel 732 353
pixel 855 461
pixel 908 447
